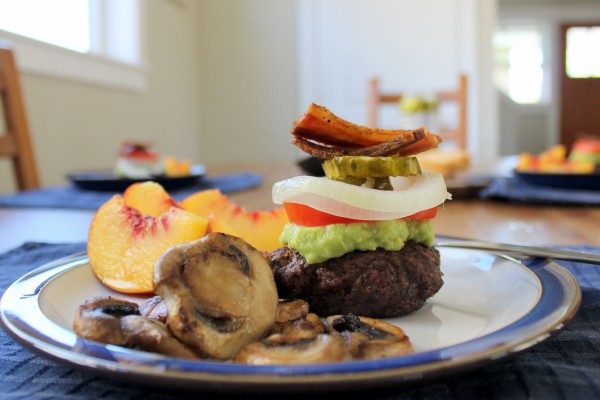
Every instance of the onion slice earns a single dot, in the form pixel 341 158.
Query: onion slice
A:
pixel 410 195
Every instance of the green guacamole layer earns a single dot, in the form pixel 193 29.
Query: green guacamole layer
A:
pixel 318 244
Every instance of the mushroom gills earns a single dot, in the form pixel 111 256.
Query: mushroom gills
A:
pixel 276 350
pixel 150 335
pixel 353 323
pixel 98 319
pixel 369 338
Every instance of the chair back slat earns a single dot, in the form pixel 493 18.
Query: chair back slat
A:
pixel 458 133
pixel 15 140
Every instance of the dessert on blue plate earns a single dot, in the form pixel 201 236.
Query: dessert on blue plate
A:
pixel 135 160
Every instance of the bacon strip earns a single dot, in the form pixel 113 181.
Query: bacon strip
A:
pixel 321 125
pixel 322 134
pixel 399 145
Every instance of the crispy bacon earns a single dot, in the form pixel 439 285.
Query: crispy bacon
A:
pixel 322 134
pixel 321 125
pixel 395 146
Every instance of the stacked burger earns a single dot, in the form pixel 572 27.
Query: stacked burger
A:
pixel 359 239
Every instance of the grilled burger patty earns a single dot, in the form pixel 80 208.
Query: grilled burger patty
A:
pixel 376 284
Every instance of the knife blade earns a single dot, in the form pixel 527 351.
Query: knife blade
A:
pixel 536 251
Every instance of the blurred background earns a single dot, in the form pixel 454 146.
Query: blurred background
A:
pixel 219 82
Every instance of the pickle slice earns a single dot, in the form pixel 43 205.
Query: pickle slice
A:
pixel 372 183
pixel 339 168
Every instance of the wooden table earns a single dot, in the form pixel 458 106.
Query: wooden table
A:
pixel 465 218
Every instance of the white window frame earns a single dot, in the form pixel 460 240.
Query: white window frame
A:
pixel 95 68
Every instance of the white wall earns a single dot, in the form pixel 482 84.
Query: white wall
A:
pixel 247 78
pixel 413 47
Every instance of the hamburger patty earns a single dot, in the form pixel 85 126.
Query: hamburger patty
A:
pixel 376 284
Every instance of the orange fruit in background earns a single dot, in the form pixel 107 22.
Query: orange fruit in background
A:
pixel 175 168
pixel 124 244
pixel 259 228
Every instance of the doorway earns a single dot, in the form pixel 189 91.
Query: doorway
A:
pixel 579 62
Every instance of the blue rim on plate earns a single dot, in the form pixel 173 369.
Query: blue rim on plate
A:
pixel 22 314
pixel 562 181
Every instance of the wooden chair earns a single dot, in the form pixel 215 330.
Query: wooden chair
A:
pixel 15 141
pixel 457 133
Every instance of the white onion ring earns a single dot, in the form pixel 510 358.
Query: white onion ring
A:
pixel 337 198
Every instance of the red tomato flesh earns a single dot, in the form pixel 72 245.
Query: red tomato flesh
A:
pixel 137 151
pixel 304 215
pixel 142 155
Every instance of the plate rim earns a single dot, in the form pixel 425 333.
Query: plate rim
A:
pixel 574 181
pixel 395 370
pixel 111 182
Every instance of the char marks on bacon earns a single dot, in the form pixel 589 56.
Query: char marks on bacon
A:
pixel 394 146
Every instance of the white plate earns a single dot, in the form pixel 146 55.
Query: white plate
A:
pixel 490 306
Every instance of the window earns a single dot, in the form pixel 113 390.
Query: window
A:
pixel 94 41
pixel 583 52
pixel 519 68
pixel 64 23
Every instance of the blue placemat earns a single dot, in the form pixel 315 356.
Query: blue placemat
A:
pixel 515 189
pixel 72 197
pixel 567 366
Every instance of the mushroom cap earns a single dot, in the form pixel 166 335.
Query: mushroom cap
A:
pixel 150 335
pixel 220 294
pixel 154 308
pixel 276 350
pixel 98 319
pixel 369 338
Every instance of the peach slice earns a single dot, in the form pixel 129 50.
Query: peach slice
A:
pixel 259 228
pixel 176 168
pixel 149 198
pixel 124 245
pixel 201 203
pixel 218 225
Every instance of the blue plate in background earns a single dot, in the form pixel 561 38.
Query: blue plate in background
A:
pixel 563 181
pixel 107 181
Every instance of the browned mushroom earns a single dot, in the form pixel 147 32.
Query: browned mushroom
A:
pixel 307 327
pixel 369 338
pixel 294 321
pixel 277 350
pixel 290 310
pixel 150 335
pixel 220 294
pixel 98 319
pixel 154 308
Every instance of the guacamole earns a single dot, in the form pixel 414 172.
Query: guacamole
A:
pixel 318 244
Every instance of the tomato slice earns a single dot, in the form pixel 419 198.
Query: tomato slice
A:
pixel 304 215
pixel 142 155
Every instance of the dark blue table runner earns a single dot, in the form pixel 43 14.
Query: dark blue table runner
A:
pixel 517 190
pixel 566 366
pixel 75 198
